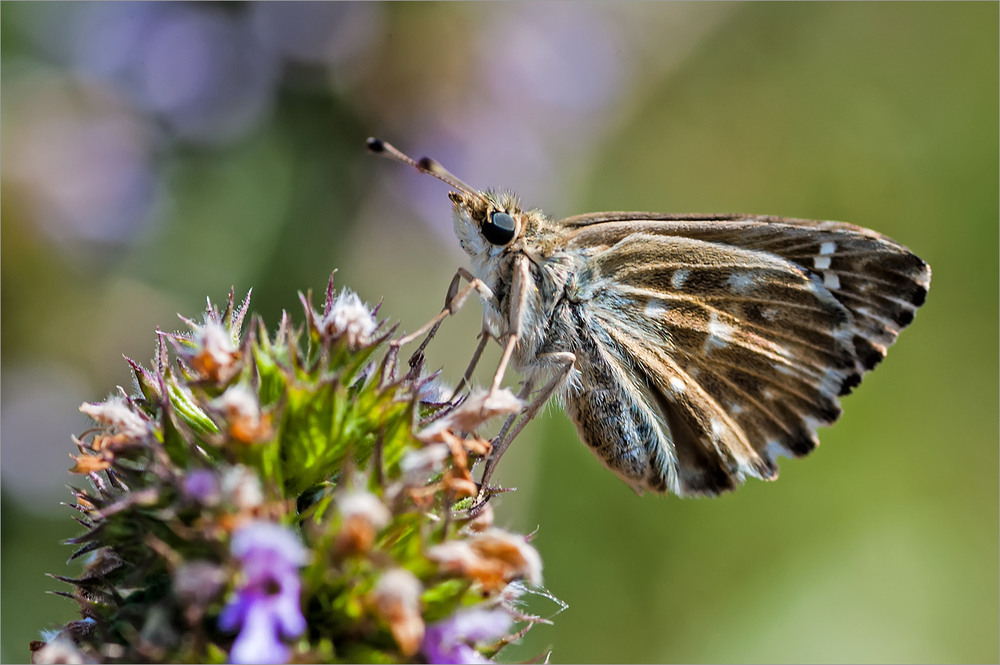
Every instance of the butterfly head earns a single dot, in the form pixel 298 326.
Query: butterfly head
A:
pixel 486 222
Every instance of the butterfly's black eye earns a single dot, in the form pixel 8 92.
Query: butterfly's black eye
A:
pixel 499 228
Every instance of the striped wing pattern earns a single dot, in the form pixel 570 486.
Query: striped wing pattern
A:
pixel 734 337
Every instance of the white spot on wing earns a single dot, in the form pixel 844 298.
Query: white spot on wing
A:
pixel 655 309
pixel 741 282
pixel 679 277
pixel 831 280
pixel 677 384
pixel 828 247
pixel 821 262
pixel 719 333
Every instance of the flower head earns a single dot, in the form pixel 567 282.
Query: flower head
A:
pixel 246 422
pixel 231 440
pixel 266 607
pixel 123 428
pixel 216 357
pixel 348 317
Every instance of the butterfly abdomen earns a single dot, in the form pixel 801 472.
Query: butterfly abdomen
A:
pixel 615 423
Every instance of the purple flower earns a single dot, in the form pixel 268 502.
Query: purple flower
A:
pixel 266 607
pixel 452 640
pixel 202 486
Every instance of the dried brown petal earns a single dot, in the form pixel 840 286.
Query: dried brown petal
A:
pixel 397 600
pixel 246 422
pixel 90 463
pixel 492 558
pixel 364 515
pixel 115 414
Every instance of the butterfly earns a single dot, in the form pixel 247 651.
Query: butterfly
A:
pixel 690 351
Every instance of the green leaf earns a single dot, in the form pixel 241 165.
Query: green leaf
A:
pixel 443 599
pixel 186 407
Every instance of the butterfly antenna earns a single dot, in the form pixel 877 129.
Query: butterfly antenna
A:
pixel 424 165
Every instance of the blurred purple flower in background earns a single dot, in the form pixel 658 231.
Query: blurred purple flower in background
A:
pixel 570 60
pixel 266 608
pixel 451 640
pixel 81 157
pixel 203 486
pixel 200 70
pixel 340 36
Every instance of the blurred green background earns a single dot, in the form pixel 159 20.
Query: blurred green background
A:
pixel 156 154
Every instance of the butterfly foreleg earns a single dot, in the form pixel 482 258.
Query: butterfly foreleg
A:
pixel 454 300
pixel 518 305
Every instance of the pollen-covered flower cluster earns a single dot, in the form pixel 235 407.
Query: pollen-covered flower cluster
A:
pixel 275 498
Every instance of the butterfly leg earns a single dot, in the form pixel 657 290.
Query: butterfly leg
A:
pixel 564 361
pixel 453 302
pixel 484 338
pixel 519 297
